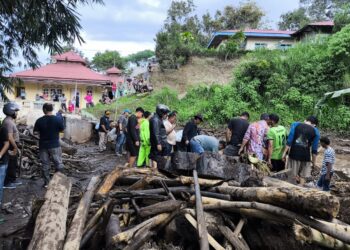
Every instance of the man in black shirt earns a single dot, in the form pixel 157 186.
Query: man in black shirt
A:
pixel 103 131
pixel 190 131
pixel 133 135
pixel 302 140
pixel 235 132
pixel 48 127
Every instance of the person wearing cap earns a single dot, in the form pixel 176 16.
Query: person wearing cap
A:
pixel 121 127
pixel 191 130
pixel 255 137
pixel 302 141
pixel 11 110
pixel 133 135
pixel 103 131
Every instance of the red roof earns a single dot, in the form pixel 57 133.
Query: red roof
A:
pixel 323 23
pixel 63 71
pixel 263 31
pixel 69 56
pixel 113 70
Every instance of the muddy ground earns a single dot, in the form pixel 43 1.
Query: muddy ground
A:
pixel 88 162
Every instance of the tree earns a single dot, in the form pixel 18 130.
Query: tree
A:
pixel 246 15
pixel 342 18
pixel 294 20
pixel 233 45
pixel 106 60
pixel 139 56
pixel 26 25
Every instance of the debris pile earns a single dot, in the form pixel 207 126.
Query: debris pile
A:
pixel 132 208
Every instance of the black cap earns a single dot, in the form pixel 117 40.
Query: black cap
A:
pixel 199 117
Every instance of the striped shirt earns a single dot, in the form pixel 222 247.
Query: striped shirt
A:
pixel 329 157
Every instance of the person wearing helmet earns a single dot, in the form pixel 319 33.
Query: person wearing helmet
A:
pixel 158 134
pixel 11 110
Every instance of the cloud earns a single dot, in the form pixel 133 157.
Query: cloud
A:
pixel 150 3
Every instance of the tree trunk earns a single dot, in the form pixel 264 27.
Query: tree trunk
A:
pixel 160 207
pixel 305 201
pixel 312 236
pixel 113 228
pixel 50 226
pixel 233 239
pixel 113 176
pixel 201 225
pixel 76 229
pixel 94 219
pixel 318 225
pixel 147 225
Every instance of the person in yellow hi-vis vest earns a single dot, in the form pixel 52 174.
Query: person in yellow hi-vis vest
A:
pixel 145 147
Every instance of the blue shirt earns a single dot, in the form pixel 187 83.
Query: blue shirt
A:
pixel 329 157
pixel 314 145
pixel 49 127
pixel 208 143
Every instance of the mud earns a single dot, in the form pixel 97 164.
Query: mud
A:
pixel 18 202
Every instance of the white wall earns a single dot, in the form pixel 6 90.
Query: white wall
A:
pixel 272 43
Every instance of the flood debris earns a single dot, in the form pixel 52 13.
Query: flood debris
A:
pixel 135 208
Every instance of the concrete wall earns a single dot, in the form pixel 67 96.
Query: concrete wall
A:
pixel 272 43
pixel 78 130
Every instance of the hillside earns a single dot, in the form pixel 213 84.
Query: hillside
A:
pixel 198 71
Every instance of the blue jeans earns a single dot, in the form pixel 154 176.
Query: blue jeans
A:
pixel 323 183
pixel 3 168
pixel 120 143
pixel 196 147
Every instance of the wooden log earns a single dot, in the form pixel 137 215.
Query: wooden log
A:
pixel 211 203
pixel 302 200
pixel 75 232
pixel 312 236
pixel 50 226
pixel 273 182
pixel 233 239
pixel 201 226
pixel 211 240
pixel 149 224
pixel 161 207
pixel 113 228
pixel 113 176
pixel 94 219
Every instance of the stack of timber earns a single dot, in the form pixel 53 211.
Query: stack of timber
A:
pixel 134 208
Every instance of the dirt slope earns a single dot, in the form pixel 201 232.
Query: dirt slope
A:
pixel 197 71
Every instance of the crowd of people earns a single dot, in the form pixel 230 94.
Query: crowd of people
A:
pixel 150 137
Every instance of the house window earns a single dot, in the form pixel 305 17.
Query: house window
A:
pixel 52 92
pixel 260 45
pixel 284 46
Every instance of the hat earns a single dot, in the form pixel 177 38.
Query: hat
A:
pixel 127 111
pixel 199 117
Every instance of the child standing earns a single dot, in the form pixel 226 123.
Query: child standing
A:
pixel 327 165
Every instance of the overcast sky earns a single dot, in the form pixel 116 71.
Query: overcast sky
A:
pixel 129 26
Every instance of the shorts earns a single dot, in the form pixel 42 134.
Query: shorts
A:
pixel 299 168
pixel 277 165
pixel 132 148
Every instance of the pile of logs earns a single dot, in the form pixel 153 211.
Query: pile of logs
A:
pixel 131 207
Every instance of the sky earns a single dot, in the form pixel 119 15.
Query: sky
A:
pixel 129 26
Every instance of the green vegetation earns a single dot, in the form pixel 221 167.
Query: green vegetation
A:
pixel 184 34
pixel 288 83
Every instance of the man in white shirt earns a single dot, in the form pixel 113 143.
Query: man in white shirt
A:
pixel 170 125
